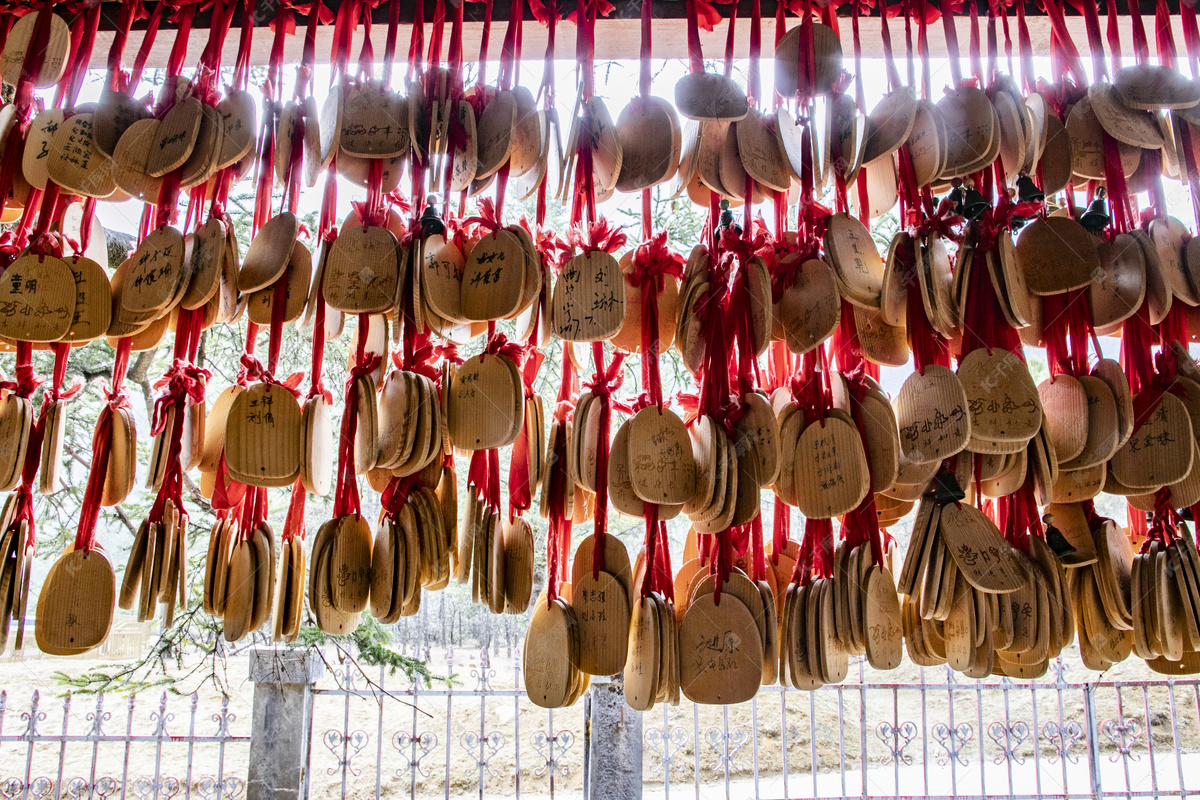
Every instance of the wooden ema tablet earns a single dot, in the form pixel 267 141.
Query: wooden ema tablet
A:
pixel 37 299
pixel 855 260
pixel 269 253
pixel 263 438
pixel 661 466
pixel 260 305
pixel 129 160
pixel 648 131
pixel 442 269
pixel 155 272
pixel 810 308
pixel 76 603
pixel 52 60
pixel 349 565
pixel 1149 86
pixel 980 553
pixel 889 123
pixel 1086 135
pixel 707 96
pixel 827 60
pixel 37 153
pixel 176 138
pixel 1160 452
pixel 486 407
pixel 757 438
pixel 720 651
pixel 1119 288
pixel 1056 255
pixel 1003 401
pixel 1066 405
pixel 362 270
pixel 238 117
pixel 1129 126
pixel 494 130
pixel 374 123
pixel 588 300
pixel 831 469
pixel 493 277
pixel 932 415
pixel 645 655
pixel 551 645
pixel 76 163
pixel 518 565
pixel 601 608
pixel 970 125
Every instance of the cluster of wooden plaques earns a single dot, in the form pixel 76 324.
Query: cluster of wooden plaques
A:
pixel 961 595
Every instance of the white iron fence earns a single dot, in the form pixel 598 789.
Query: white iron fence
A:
pixel 913 732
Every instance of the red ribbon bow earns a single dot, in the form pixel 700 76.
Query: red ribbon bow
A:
pixel 599 235
pixel 653 261
pixel 182 379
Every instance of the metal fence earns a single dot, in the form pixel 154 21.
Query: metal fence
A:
pixel 924 732
pixel 911 732
pixel 104 748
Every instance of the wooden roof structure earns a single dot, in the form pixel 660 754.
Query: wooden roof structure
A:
pixel 617 36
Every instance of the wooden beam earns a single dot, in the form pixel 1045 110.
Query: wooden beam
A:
pixel 617 37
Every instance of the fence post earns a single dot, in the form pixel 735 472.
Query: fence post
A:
pixel 281 727
pixel 614 754
pixel 1093 743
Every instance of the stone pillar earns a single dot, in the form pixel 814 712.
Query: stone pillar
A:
pixel 614 768
pixel 282 725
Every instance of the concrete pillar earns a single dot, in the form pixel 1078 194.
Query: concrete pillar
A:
pixel 282 726
pixel 614 757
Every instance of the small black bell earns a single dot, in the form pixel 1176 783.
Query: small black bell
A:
pixel 431 222
pixel 1096 218
pixel 1027 190
pixel 726 216
pixel 972 204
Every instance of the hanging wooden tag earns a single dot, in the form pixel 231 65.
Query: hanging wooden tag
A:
pixel 855 260
pixel 547 661
pixel 661 467
pixel 1066 405
pixel 260 305
pixel 37 153
pixel 809 310
pixel 93 301
pixel 37 299
pixel 481 407
pixel 53 60
pixel 1086 136
pixel 650 138
pixel 831 469
pixel 155 271
pixel 350 564
pixel 707 96
pixel 1134 128
pixel 588 300
pixel 130 157
pixel 362 270
pixel 1057 255
pixel 720 651
pixel 1160 452
pixel 75 606
pixel 269 252
pixel 76 163
pixel 493 277
pixel 1002 399
pixel 1120 286
pixel 971 126
pixel 601 607
pixel 115 112
pixel 981 554
pixel 927 143
pixel 176 138
pixel 932 414
pixel 1150 86
pixel 494 130
pixel 889 123
pixel 374 123
pixel 826 65
pixel 262 440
